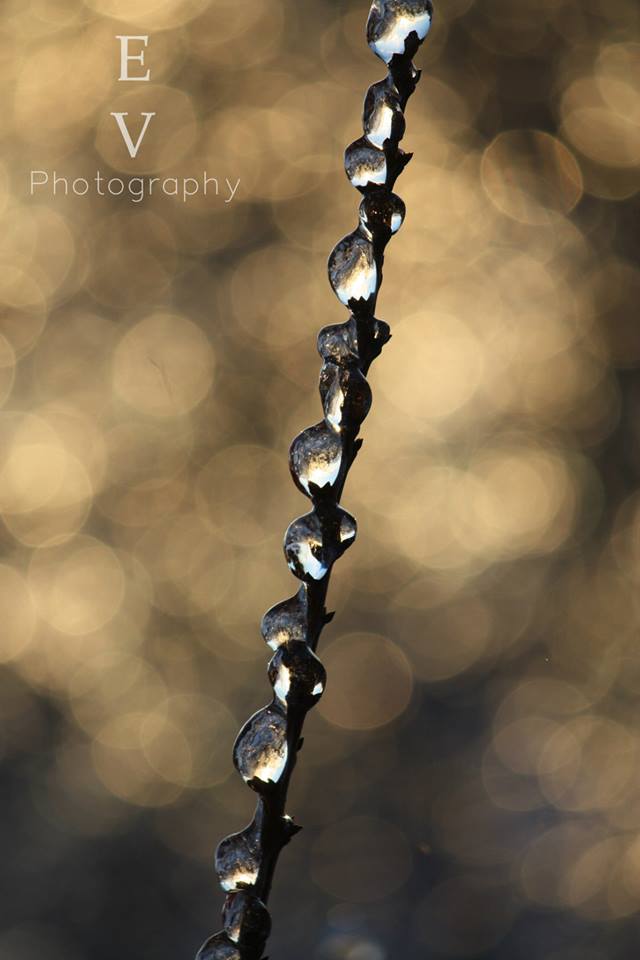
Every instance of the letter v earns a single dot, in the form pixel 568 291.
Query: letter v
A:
pixel 126 136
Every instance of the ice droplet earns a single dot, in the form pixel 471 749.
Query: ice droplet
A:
pixel 366 166
pixel 381 214
pixel 346 396
pixel 238 856
pixel 339 342
pixel 348 529
pixel 391 23
pixel 297 675
pixel 260 752
pixel 219 947
pixel 352 270
pixel 286 620
pixel 315 457
pixel 246 920
pixel 304 548
pixel 383 118
pixel 313 543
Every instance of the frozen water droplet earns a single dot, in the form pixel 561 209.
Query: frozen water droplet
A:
pixel 286 620
pixel 238 856
pixel 219 947
pixel 352 270
pixel 315 457
pixel 346 396
pixel 246 920
pixel 314 541
pixel 383 118
pixel 391 23
pixel 297 675
pixel 304 549
pixel 381 213
pixel 260 752
pixel 348 529
pixel 366 166
pixel 339 342
pixel 381 332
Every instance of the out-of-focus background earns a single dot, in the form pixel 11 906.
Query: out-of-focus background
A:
pixel 470 783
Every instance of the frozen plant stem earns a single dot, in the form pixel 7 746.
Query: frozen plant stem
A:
pixel 266 749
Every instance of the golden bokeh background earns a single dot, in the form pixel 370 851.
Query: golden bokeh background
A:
pixel 470 783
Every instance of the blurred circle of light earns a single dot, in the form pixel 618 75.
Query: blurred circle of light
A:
pixel 208 727
pixel 624 887
pixel 455 637
pixel 120 759
pixel 166 748
pixel 614 285
pixel 617 75
pixel 361 860
pixel 7 369
pixel 78 74
pixel 301 124
pixel 133 259
pixel 510 30
pixel 604 136
pixel 463 917
pixel 238 142
pixel 349 947
pixel 64 513
pixel 45 492
pixel 455 357
pixel 236 493
pixel 220 36
pixel 530 176
pixel 547 864
pixel 237 621
pixel 76 800
pixel 143 503
pixel 155 14
pixel 468 826
pixel 21 291
pixel 80 433
pixel 111 683
pixel 39 241
pixel 540 696
pixel 371 683
pixel 163 366
pixel 71 362
pixel 587 763
pixel 146 478
pixel 78 587
pixel 521 499
pixel 285 278
pixel 506 789
pixel 5 188
pixel 191 566
pixel 18 614
pixel 590 880
pixel 597 130
pixel 433 544
pixel 519 744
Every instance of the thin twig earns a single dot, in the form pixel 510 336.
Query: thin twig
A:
pixel 266 749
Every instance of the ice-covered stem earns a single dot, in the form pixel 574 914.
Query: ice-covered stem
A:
pixel 266 749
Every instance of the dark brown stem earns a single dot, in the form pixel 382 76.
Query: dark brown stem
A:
pixel 267 747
